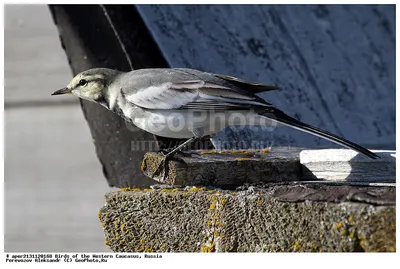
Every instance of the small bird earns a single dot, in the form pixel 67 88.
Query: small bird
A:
pixel 186 103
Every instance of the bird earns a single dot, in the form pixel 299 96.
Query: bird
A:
pixel 202 103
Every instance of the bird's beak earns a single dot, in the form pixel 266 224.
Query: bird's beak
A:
pixel 62 91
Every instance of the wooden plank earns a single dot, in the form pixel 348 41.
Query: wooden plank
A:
pixel 346 183
pixel 227 168
pixel 348 165
pixel 232 168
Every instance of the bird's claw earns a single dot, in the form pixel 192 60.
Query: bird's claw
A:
pixel 164 164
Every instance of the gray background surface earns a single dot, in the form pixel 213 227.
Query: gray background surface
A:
pixel 54 186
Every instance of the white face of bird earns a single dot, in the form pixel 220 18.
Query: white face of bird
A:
pixel 85 86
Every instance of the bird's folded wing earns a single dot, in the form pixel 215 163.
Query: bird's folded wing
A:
pixel 247 85
pixel 198 94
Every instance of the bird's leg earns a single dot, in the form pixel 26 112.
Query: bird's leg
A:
pixel 164 151
pixel 164 162
pixel 165 145
pixel 170 155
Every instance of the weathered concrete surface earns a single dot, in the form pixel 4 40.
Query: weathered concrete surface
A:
pixel 269 219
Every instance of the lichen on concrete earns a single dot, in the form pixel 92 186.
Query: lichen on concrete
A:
pixel 201 219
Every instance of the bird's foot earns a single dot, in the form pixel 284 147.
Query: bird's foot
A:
pixel 170 155
pixel 163 165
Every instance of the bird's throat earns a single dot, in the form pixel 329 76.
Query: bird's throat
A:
pixel 102 101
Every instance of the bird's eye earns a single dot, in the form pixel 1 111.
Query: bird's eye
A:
pixel 82 82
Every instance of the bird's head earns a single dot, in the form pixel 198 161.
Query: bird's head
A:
pixel 90 84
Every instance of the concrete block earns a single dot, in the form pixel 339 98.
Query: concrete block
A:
pixel 285 218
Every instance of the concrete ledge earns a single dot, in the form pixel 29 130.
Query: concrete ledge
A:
pixel 269 219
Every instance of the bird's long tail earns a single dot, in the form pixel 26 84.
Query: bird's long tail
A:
pixel 280 117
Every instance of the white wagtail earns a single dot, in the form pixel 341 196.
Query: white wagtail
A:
pixel 201 103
